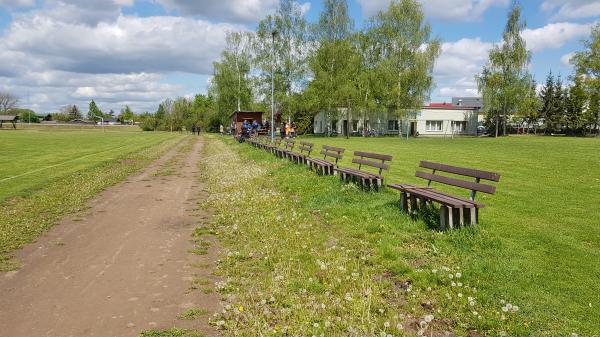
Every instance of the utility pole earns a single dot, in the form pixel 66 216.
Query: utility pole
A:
pixel 273 33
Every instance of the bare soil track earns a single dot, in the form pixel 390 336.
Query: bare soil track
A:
pixel 121 268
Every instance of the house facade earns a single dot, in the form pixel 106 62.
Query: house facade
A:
pixel 433 120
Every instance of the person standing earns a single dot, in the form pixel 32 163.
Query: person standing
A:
pixel 221 129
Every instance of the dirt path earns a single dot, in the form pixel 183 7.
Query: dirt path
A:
pixel 122 268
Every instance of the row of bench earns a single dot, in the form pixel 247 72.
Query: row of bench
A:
pixel 454 211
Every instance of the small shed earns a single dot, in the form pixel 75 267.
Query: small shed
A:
pixel 237 118
pixel 8 118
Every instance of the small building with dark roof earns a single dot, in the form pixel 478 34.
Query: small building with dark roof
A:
pixel 237 118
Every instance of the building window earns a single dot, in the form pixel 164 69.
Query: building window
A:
pixel 434 125
pixel 355 125
pixel 459 126
pixel 393 125
pixel 334 125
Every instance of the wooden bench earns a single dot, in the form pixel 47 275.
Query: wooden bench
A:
pixel 324 166
pixel 453 210
pixel 270 147
pixel 374 160
pixel 289 146
pixel 300 157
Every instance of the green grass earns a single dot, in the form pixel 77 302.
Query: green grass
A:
pixel 30 159
pixel 537 246
pixel 48 175
pixel 192 314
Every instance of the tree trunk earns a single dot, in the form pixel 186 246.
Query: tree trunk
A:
pixel 497 122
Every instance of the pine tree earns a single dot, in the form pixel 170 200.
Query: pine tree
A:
pixel 547 104
pixel 574 117
pixel 93 111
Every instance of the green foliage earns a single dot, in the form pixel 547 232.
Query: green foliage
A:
pixel 504 81
pixel 26 115
pixel 94 112
pixel 587 64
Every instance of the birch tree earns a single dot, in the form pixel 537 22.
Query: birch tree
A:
pixel 504 81
pixel 406 55
pixel 587 64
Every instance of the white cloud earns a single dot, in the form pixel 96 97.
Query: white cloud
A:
pixel 554 35
pixel 51 61
pixel 457 66
pixel 244 11
pixel 455 10
pixel 571 9
pixel 566 59
pixel 17 3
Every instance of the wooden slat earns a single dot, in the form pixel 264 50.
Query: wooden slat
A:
pixel 332 154
pixel 371 163
pixel 334 149
pixel 373 155
pixel 457 182
pixel 463 171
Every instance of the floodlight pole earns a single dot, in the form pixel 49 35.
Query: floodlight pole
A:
pixel 273 33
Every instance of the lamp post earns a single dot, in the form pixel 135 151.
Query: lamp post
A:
pixel 273 34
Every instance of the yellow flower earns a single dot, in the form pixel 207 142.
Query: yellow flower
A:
pixel 241 308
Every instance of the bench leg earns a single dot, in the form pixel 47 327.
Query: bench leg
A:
pixel 443 217
pixel 461 217
pixel 413 204
pixel 474 217
pixel 404 202
pixel 450 217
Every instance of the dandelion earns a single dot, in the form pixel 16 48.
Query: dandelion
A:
pixel 453 284
pixel 399 326
pixel 574 335
pixel 434 271
pixel 423 324
pixel 450 276
pixel 459 284
pixel 428 318
pixel 241 308
pixel 460 295
pixel 386 324
pixel 315 325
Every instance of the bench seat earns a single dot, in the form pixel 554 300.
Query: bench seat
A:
pixel 367 179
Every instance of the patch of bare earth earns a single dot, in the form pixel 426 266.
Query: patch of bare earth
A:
pixel 123 267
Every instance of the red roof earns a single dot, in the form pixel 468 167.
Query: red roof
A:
pixel 448 106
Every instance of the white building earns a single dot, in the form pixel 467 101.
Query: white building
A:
pixel 433 120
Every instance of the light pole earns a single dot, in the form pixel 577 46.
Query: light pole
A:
pixel 273 33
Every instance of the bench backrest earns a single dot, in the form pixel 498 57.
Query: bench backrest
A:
pixel 289 144
pixel 277 142
pixel 332 152
pixel 371 159
pixel 474 186
pixel 306 147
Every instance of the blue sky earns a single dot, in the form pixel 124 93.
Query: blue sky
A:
pixel 138 52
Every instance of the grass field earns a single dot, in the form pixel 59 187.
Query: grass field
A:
pixel 46 174
pixel 32 158
pixel 537 246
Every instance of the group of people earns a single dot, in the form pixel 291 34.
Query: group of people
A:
pixel 195 130
pixel 288 130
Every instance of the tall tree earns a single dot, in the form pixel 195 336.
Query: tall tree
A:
pixel 333 63
pixel 575 119
pixel 237 56
pixel 529 108
pixel 126 115
pixel 587 64
pixel 504 81
pixel 407 54
pixel 281 50
pixel 93 111
pixel 547 103
pixel 72 112
pixel 8 102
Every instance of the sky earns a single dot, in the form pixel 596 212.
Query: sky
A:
pixel 139 52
